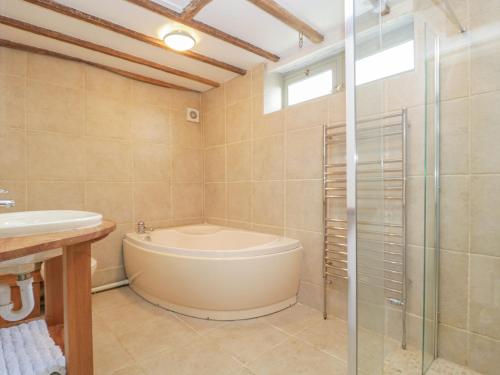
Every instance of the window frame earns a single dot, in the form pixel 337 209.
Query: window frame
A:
pixel 334 63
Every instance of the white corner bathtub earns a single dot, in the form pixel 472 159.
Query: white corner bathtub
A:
pixel 214 272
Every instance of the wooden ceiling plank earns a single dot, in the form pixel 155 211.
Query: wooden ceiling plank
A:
pixel 102 49
pixel 82 16
pixel 204 28
pixel 194 7
pixel 138 77
pixel 280 13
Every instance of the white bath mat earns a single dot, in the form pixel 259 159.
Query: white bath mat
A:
pixel 28 349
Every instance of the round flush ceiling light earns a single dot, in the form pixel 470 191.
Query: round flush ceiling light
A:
pixel 179 40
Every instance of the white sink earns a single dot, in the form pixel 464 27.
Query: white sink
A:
pixel 33 222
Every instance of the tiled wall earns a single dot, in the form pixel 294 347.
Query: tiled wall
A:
pixel 76 137
pixel 470 241
pixel 264 172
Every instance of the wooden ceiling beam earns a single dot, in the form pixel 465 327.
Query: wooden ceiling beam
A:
pixel 280 13
pixel 102 49
pixel 194 7
pixel 124 73
pixel 204 28
pixel 82 16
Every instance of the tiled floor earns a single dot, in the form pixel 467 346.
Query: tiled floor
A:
pixel 133 337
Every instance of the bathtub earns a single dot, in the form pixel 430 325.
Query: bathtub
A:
pixel 214 272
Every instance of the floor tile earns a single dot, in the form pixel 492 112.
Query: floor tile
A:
pixel 148 338
pixel 298 358
pixel 114 298
pixel 109 354
pixel 328 335
pixel 247 339
pixel 294 319
pixel 201 326
pixel 132 370
pixel 201 358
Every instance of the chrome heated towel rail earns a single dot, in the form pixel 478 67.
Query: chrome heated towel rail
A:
pixel 382 243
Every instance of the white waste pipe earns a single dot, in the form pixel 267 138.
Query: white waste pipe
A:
pixel 27 300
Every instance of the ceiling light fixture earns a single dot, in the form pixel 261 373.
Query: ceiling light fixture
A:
pixel 179 40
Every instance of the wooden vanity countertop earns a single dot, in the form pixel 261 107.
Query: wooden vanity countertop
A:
pixel 16 247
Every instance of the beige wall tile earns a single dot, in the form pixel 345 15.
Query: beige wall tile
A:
pixel 187 165
pixel 484 302
pixel 307 115
pixel 185 133
pixel 215 200
pixel 144 93
pixel 238 89
pixel 485 131
pixel 485 215
pixel 310 295
pixel 187 200
pixel 181 100
pixel 485 75
pixel 151 201
pixel 54 108
pixel 483 354
pixel 453 288
pixel 416 142
pixel 215 164
pixel 101 82
pixel 114 200
pixel 415 275
pixel 214 127
pixel 108 160
pixel 455 67
pixel 453 344
pixel 258 74
pixel 370 99
pixel 304 205
pixel 13 160
pixel 337 107
pixel 415 210
pixel 268 158
pixel 17 192
pixel 108 276
pixel 13 62
pixel 404 90
pixel 56 71
pixel 212 99
pixel 455 136
pixel 108 252
pixel 238 118
pixel 268 203
pixel 150 123
pixel 238 161
pixel 455 213
pixel 56 195
pixel 312 263
pixel 304 154
pixel 12 102
pixel 55 157
pixel 265 125
pixel 152 162
pixel 239 204
pixel 107 117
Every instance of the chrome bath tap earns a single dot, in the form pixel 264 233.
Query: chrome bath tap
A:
pixel 6 202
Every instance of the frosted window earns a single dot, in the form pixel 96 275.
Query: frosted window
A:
pixel 311 87
pixel 386 63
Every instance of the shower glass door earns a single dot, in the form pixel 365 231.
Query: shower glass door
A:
pixel 395 118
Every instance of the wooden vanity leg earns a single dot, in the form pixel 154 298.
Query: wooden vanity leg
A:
pixel 53 281
pixel 77 309
pixel 54 299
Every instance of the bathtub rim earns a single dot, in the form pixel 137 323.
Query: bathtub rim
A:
pixel 280 244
